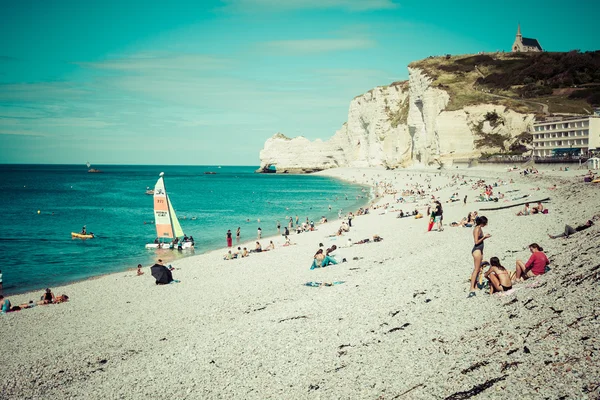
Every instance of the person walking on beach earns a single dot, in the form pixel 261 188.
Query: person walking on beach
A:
pixel 259 233
pixel 477 251
pixel 228 236
pixel 238 235
pixel 297 219
pixel 465 201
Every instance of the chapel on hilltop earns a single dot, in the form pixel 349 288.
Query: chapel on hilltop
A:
pixel 525 45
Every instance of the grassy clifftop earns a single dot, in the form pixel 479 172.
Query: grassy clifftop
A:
pixel 541 83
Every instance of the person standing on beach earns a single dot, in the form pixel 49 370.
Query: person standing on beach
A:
pixel 259 233
pixel 465 201
pixel 477 251
pixel 0 281
pixel 297 219
pixel 238 235
pixel 228 236
pixel 278 227
pixel 439 215
pixel 291 223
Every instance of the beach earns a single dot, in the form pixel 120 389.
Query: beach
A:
pixel 398 323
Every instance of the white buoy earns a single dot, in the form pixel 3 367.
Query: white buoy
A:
pixel 39 211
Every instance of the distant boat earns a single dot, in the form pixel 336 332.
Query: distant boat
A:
pixel 210 173
pixel 82 236
pixel 219 166
pixel 149 191
pixel 92 170
pixel 167 224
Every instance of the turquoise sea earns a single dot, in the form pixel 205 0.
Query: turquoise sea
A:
pixel 39 251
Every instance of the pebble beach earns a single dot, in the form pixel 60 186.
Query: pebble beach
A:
pixel 393 322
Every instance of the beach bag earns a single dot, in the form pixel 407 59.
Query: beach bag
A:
pixel 545 211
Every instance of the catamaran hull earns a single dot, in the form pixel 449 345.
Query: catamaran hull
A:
pixel 184 246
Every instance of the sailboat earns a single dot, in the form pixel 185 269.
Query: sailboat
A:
pixel 165 220
pixel 92 169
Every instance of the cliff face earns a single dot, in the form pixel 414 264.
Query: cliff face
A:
pixel 403 124
pixel 371 137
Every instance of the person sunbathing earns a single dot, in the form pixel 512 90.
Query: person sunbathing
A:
pixel 63 298
pixel 539 209
pixel 569 230
pixel 498 277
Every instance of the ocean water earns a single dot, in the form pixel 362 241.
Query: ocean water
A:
pixel 38 250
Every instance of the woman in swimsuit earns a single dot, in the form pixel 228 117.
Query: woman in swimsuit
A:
pixel 477 251
pixel 498 276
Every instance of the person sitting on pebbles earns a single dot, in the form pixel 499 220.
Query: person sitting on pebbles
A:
pixel 321 260
pixel 524 211
pixel 498 277
pixel 536 265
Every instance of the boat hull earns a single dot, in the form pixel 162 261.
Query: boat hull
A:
pixel 80 236
pixel 184 246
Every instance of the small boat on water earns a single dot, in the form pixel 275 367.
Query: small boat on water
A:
pixel 166 222
pixel 149 191
pixel 92 170
pixel 210 173
pixel 82 236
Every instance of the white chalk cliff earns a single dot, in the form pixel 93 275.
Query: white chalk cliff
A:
pixel 402 124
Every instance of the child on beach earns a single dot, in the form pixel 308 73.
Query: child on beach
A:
pixel 139 270
pixel 498 277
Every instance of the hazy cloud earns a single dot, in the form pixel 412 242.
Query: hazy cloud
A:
pixel 160 62
pixel 306 46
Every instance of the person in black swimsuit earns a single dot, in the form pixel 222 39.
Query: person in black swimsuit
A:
pixel 477 251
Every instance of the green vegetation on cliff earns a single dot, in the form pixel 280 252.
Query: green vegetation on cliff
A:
pixel 539 83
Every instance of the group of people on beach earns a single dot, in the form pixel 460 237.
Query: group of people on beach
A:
pixel 499 279
pixel 47 298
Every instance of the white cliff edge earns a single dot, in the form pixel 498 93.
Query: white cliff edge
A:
pixel 398 125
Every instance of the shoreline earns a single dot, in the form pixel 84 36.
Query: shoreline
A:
pixel 125 269
pixel 402 310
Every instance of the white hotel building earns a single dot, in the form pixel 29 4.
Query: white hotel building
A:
pixel 568 134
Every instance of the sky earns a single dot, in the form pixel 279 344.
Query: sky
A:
pixel 207 82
